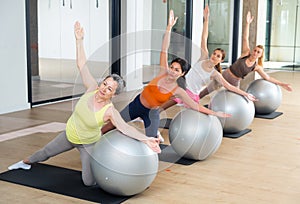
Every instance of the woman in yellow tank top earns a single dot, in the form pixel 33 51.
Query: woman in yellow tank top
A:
pixel 164 86
pixel 92 110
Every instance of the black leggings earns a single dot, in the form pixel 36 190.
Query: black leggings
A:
pixel 150 117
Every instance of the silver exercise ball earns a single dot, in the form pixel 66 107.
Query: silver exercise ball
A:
pixel 122 165
pixel 194 135
pixel 269 96
pixel 241 109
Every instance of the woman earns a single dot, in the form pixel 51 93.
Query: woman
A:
pixel 205 70
pixel 248 62
pixel 164 86
pixel 93 110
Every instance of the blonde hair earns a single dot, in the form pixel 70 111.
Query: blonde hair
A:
pixel 261 58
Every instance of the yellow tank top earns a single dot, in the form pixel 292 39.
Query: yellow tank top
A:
pixel 84 125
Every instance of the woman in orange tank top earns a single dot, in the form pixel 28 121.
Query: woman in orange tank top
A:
pixel 164 86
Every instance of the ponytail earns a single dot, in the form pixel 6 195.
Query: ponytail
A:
pixel 218 67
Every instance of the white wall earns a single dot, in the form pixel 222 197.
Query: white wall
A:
pixel 55 23
pixel 132 40
pixel 197 29
pixel 57 41
pixel 13 77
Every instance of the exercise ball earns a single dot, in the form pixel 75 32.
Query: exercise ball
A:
pixel 194 135
pixel 268 94
pixel 241 109
pixel 122 165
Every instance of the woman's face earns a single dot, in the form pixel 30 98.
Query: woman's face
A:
pixel 107 88
pixel 175 70
pixel 216 57
pixel 257 52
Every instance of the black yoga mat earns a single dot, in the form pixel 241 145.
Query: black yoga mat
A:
pixel 168 154
pixel 59 180
pixel 268 116
pixel 165 123
pixel 237 135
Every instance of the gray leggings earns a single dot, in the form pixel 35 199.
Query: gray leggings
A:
pixel 61 144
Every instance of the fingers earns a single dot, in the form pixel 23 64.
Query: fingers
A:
pixel 172 20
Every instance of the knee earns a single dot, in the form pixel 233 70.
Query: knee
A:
pixel 88 182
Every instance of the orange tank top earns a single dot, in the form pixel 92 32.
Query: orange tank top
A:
pixel 153 95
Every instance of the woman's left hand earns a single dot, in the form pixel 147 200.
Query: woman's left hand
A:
pixel 287 87
pixel 153 143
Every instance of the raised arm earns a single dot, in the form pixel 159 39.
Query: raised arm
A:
pixel 196 106
pixel 204 37
pixel 265 76
pixel 114 116
pixel 245 41
pixel 88 80
pixel 166 42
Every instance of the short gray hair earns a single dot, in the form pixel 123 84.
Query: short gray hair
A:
pixel 119 80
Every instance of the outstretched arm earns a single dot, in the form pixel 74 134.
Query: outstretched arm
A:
pixel 228 86
pixel 204 49
pixel 166 42
pixel 265 76
pixel 88 80
pixel 115 118
pixel 196 106
pixel 245 42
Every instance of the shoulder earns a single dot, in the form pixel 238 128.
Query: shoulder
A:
pixel 179 90
pixel 204 56
pixel 215 73
pixel 109 108
pixel 258 68
pixel 245 55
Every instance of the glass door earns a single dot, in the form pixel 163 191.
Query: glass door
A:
pixel 220 26
pixel 284 47
pixel 156 20
pixel 54 74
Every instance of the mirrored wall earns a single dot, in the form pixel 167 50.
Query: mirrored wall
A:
pixel 220 26
pixel 52 43
pixel 283 47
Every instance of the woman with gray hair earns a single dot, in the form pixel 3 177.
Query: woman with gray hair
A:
pixel 92 111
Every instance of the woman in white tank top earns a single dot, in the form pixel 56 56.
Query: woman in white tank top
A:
pixel 249 61
pixel 206 69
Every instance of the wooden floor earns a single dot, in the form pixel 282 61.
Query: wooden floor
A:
pixel 260 167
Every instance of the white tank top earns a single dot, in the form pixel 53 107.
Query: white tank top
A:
pixel 197 78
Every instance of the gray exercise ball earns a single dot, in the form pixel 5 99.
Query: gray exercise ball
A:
pixel 241 109
pixel 194 135
pixel 122 165
pixel 269 96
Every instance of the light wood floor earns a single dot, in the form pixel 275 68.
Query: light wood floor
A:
pixel 260 167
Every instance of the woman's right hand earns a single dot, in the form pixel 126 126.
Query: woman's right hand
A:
pixel 153 143
pixel 78 31
pixel 251 97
